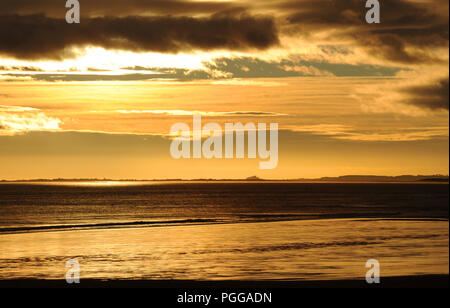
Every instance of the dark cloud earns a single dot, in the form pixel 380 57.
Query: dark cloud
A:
pixel 97 8
pixel 93 69
pixel 406 28
pixel 20 68
pixel 40 37
pixel 434 96
pixel 408 31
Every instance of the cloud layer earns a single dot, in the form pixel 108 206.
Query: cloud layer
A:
pixel 14 120
pixel 407 32
pixel 41 37
pixel 96 8
pixel 410 31
pixel 216 69
pixel 432 96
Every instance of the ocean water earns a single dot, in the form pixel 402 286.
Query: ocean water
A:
pixel 222 231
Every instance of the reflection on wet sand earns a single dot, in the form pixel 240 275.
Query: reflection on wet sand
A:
pixel 291 250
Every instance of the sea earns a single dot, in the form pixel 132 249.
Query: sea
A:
pixel 246 231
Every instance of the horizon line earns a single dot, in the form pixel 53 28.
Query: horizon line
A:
pixel 361 177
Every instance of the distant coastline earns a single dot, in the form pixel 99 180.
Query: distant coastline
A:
pixel 340 179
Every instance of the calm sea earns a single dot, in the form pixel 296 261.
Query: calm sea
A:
pixel 222 231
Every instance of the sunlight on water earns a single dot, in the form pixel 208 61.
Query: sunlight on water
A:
pixel 89 183
pixel 104 183
pixel 286 231
pixel 296 250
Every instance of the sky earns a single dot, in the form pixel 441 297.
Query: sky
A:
pixel 97 99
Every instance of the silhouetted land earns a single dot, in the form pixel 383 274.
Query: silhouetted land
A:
pixel 347 178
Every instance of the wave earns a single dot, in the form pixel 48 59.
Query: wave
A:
pixel 106 225
pixel 293 246
pixel 242 218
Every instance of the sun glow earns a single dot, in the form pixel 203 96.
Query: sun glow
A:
pixel 94 60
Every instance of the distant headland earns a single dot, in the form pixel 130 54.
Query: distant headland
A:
pixel 340 179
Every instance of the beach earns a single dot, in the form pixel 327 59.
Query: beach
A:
pixel 275 251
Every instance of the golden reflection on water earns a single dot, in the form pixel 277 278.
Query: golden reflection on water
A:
pixel 90 183
pixel 295 250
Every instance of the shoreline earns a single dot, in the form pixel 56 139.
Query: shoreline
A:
pixel 198 222
pixel 421 281
pixel 170 258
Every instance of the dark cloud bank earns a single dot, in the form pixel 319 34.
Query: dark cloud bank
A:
pixel 407 32
pixel 96 8
pixel 406 28
pixel 434 96
pixel 40 37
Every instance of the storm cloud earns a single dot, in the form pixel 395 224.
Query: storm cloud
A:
pixel 40 37
pixel 410 31
pixel 406 28
pixel 97 8
pixel 433 96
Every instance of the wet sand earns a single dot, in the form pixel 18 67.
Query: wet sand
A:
pixel 317 250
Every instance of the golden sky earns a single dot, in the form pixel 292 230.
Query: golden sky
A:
pixel 97 99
